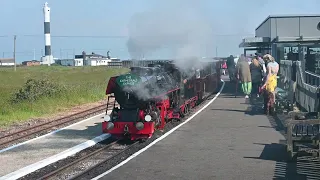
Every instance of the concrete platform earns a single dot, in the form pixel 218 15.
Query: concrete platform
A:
pixel 225 141
pixel 50 145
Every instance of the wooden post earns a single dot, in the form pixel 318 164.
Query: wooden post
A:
pixel 14 52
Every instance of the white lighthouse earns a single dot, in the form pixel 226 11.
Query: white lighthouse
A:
pixel 48 58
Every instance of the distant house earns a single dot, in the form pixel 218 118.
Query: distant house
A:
pixel 95 59
pixel 6 62
pixel 31 63
pixel 97 62
pixel 66 62
pixel 87 60
pixel 78 61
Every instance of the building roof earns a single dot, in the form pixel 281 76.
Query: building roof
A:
pixel 31 61
pixel 90 56
pixel 288 16
pixel 65 59
pixel 96 56
pixel 6 60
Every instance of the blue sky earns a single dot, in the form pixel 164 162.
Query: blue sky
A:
pixel 230 21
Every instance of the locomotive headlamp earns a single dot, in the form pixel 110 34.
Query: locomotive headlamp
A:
pixel 110 126
pixel 147 118
pixel 106 118
pixel 139 125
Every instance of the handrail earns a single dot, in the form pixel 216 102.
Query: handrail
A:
pixel 312 78
pixel 306 91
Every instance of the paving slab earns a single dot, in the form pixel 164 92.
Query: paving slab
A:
pixel 48 146
pixel 225 141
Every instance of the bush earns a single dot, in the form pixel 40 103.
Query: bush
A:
pixel 34 89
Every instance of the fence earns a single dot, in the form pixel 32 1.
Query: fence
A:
pixel 115 64
pixel 312 78
pixel 287 79
pixel 293 81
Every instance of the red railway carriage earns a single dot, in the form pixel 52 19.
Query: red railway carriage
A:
pixel 149 97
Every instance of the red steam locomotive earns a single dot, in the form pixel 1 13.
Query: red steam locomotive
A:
pixel 149 97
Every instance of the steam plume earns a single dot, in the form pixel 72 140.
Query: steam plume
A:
pixel 176 25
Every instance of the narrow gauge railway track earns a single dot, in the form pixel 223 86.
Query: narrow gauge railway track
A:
pixel 24 134
pixel 89 161
pixel 103 167
pixel 111 162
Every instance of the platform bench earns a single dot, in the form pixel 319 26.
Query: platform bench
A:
pixel 303 135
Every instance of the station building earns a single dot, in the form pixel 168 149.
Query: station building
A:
pixel 288 37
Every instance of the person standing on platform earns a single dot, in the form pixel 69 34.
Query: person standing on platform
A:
pixel 244 75
pixel 224 67
pixel 262 63
pixel 256 76
pixel 231 68
pixel 270 83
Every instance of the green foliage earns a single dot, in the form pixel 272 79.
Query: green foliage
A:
pixel 36 89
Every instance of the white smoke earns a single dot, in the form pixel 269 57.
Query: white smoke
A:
pixel 148 90
pixel 177 25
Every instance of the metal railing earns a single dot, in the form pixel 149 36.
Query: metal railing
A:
pixel 117 64
pixel 287 79
pixel 312 78
pixel 307 95
pixel 301 86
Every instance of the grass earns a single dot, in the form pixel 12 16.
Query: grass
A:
pixel 81 85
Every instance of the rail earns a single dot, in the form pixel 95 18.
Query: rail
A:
pixel 299 85
pixel 307 96
pixel 287 79
pixel 93 160
pixel 312 78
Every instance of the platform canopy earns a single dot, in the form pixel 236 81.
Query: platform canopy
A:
pixel 254 42
pixel 297 39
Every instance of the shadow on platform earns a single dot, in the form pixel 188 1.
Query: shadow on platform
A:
pixel 230 90
pixel 252 109
pixel 300 170
pixel 303 169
